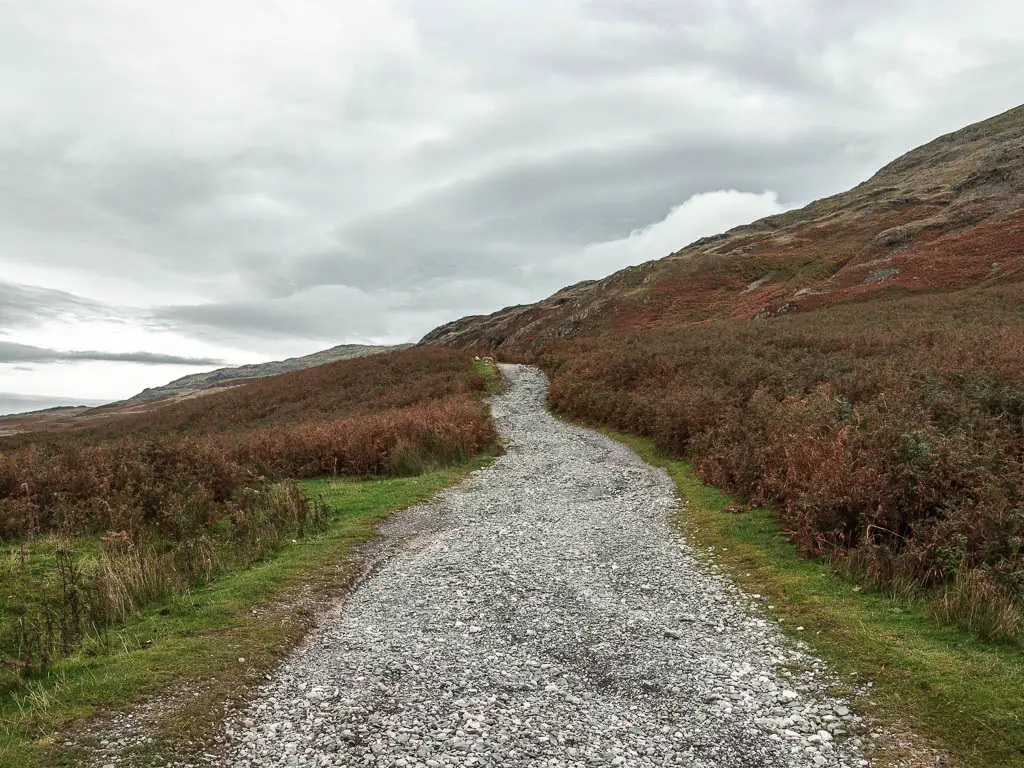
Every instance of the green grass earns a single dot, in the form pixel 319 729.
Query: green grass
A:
pixel 957 691
pixel 490 372
pixel 197 642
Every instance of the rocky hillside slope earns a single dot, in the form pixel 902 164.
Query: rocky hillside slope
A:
pixel 947 215
pixel 221 377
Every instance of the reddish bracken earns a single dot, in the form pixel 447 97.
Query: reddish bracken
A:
pixel 176 467
pixel 894 427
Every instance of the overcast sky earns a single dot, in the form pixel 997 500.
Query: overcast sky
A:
pixel 184 183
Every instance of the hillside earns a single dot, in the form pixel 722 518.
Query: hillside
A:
pixel 945 216
pixel 856 367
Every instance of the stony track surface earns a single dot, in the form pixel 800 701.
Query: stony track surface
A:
pixel 546 615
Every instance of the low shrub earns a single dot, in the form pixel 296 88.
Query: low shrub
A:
pixel 171 471
pixel 888 435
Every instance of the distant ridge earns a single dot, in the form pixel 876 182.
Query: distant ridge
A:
pixel 71 417
pixel 197 382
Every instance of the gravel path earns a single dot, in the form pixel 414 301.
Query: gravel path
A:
pixel 547 616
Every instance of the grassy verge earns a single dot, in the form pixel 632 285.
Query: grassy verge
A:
pixel 212 642
pixel 961 693
pixel 489 370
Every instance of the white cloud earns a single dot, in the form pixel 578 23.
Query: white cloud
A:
pixel 704 214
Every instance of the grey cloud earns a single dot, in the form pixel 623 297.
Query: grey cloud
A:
pixel 492 225
pixel 334 314
pixel 211 320
pixel 25 306
pixel 322 315
pixel 12 352
pixel 155 189
pixel 736 40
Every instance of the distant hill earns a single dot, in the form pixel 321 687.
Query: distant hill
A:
pixel 59 419
pixel 222 377
pixel 946 216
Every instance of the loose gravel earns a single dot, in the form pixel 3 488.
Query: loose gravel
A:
pixel 548 616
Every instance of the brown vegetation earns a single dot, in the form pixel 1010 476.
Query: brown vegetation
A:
pixel 888 435
pixel 384 414
pixel 166 500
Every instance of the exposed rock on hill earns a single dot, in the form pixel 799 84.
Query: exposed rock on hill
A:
pixel 947 215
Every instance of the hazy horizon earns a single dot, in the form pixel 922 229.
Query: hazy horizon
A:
pixel 12 403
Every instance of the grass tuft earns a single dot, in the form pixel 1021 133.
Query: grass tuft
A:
pixel 488 369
